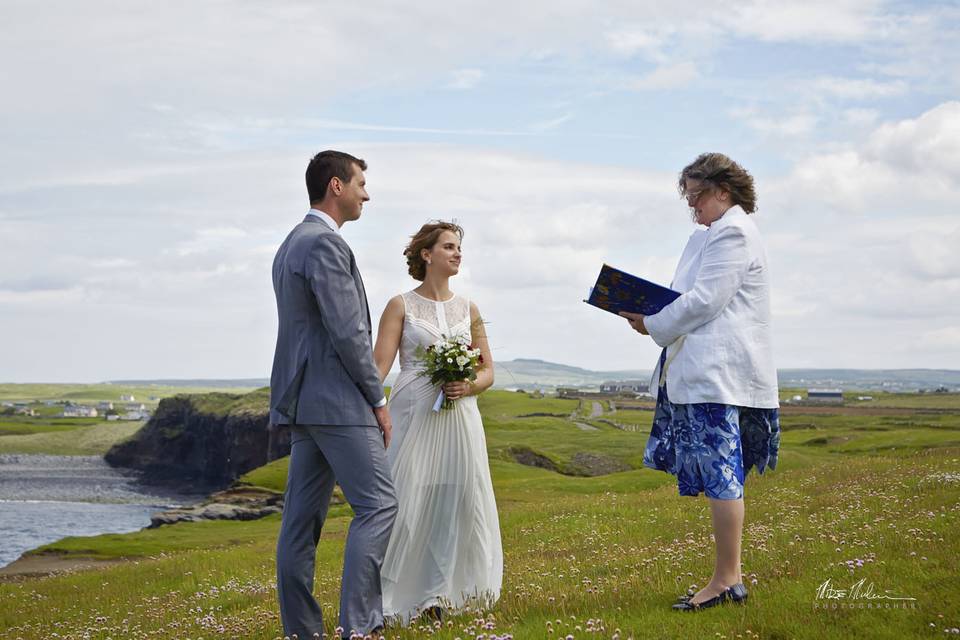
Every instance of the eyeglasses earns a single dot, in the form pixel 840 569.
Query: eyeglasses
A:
pixel 692 196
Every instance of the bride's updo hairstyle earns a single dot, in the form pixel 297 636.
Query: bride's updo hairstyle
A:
pixel 428 236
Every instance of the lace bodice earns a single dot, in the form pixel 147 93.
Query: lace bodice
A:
pixel 425 321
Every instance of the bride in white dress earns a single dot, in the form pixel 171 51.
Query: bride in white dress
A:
pixel 445 549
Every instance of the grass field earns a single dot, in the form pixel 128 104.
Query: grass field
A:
pixel 50 434
pixel 855 497
pixel 91 438
pixel 100 392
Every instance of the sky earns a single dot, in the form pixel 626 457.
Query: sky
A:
pixel 153 155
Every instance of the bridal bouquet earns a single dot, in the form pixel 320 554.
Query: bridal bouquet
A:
pixel 449 360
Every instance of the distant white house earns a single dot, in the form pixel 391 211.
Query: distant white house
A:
pixel 136 415
pixel 113 416
pixel 625 386
pixel 825 396
pixel 80 411
pixel 136 407
pixel 26 411
pixel 105 406
pixel 126 398
pixel 6 404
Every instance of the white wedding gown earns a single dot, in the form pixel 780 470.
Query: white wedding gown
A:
pixel 445 548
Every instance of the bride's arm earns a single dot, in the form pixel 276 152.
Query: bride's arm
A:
pixel 388 336
pixel 478 332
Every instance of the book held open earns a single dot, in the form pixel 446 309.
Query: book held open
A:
pixel 617 291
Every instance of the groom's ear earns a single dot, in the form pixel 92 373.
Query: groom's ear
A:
pixel 335 185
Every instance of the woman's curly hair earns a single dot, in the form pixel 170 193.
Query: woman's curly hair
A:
pixel 428 236
pixel 717 171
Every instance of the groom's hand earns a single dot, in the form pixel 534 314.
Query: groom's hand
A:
pixel 386 426
pixel 636 321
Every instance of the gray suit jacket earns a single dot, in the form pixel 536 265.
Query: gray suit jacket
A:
pixel 323 368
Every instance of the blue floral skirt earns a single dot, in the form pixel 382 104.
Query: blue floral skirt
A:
pixel 710 447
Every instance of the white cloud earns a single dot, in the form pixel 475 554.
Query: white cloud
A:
pixel 553 123
pixel 935 252
pixel 909 165
pixel 853 235
pixel 817 20
pixel 928 144
pixel 669 76
pixel 153 160
pixel 784 124
pixel 465 78
pixel 537 232
pixel 858 88
pixel 938 339
pixel 861 117
pixel 657 37
pixel 865 252
pixel 629 41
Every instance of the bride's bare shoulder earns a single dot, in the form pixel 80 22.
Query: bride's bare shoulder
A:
pixel 395 306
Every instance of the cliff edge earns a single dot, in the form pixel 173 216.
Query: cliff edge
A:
pixel 203 442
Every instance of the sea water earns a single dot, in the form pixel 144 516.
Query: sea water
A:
pixel 45 498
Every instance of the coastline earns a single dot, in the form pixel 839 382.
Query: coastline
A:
pixel 45 498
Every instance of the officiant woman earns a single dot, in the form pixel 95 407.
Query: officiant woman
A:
pixel 717 404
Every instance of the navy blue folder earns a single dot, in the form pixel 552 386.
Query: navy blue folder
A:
pixel 617 291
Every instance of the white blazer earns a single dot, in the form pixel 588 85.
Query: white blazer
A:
pixel 723 316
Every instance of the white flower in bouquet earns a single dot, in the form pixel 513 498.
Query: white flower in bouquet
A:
pixel 449 360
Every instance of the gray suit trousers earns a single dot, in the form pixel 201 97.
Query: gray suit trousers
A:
pixel 354 457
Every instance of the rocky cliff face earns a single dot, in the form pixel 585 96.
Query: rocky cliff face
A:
pixel 203 442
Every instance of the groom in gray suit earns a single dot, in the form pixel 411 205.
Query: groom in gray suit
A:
pixel 326 389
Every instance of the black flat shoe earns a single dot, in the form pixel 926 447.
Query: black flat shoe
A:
pixel 433 613
pixel 737 593
pixel 686 605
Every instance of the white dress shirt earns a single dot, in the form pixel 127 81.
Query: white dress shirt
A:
pixel 723 317
pixel 325 218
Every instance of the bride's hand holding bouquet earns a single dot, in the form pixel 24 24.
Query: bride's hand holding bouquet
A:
pixel 453 364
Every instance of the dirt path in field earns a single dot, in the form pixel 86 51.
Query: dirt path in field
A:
pixel 596 410
pixel 36 566
pixel 585 427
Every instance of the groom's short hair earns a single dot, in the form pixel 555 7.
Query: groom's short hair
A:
pixel 325 166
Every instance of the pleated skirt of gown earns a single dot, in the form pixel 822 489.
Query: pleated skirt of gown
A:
pixel 445 549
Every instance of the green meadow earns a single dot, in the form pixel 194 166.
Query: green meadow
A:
pixel 100 392
pixel 49 433
pixel 866 496
pixel 62 436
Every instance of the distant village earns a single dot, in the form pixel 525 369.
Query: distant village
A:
pixel 639 389
pixel 126 409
